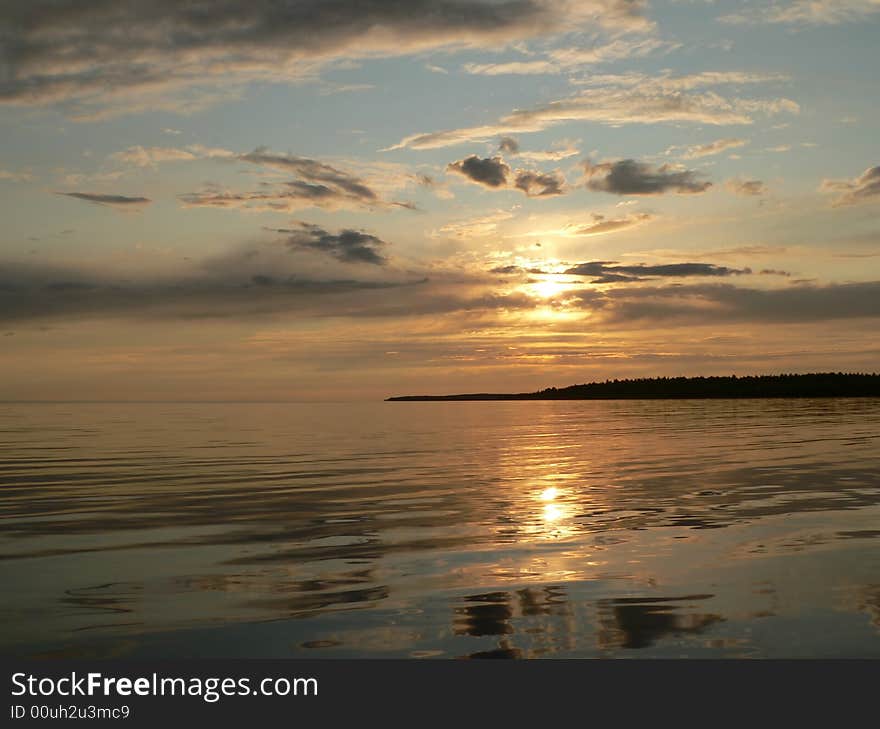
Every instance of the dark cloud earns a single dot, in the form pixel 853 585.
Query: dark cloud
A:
pixel 95 55
pixel 252 284
pixel 538 184
pixel 119 201
pixel 490 171
pixel 709 303
pixel 223 288
pixel 495 173
pixel 774 272
pixel 313 171
pixel 611 272
pixel 508 145
pixel 863 188
pixel 506 269
pixel 629 177
pixel 349 246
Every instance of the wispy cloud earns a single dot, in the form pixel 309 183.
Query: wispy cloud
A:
pixel 624 99
pixel 806 12
pixel 597 224
pixel 317 184
pixel 478 227
pixel 21 176
pixel 151 156
pixel 121 202
pixel 602 224
pixel 708 149
pixel 559 60
pixel 739 186
pixel 511 147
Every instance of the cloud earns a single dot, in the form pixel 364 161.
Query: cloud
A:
pixel 549 155
pixel 601 224
pixel 746 187
pixel 705 150
pixel 256 282
pixel 508 145
pixel 624 99
pixel 511 147
pixel 513 67
pixel 609 272
pixel 560 60
pixel 140 156
pixel 203 152
pixel 713 303
pixel 238 285
pixel 615 50
pixel 96 57
pixel 666 82
pixel 440 189
pixel 864 188
pixel 151 156
pixel 24 176
pixel 629 177
pixel 121 202
pixel 490 172
pixel 495 174
pixel 807 12
pixel 311 170
pixel 480 227
pixel 348 246
pixel 538 184
pixel 318 185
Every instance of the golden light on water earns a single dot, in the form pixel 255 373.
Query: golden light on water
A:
pixel 555 514
pixel 552 512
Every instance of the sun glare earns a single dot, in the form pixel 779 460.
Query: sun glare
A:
pixel 546 288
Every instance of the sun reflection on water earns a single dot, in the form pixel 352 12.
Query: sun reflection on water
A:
pixel 556 514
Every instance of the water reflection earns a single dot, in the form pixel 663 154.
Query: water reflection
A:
pixel 484 615
pixel 514 529
pixel 640 622
pixel 531 621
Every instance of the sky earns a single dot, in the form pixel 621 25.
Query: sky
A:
pixel 342 200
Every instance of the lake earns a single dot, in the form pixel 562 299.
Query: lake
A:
pixel 664 528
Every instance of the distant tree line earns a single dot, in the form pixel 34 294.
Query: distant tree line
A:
pixel 820 384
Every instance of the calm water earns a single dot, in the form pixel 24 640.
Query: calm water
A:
pixel 542 529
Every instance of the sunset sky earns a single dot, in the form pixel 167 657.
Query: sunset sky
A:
pixel 331 199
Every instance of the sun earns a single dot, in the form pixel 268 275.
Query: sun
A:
pixel 546 288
